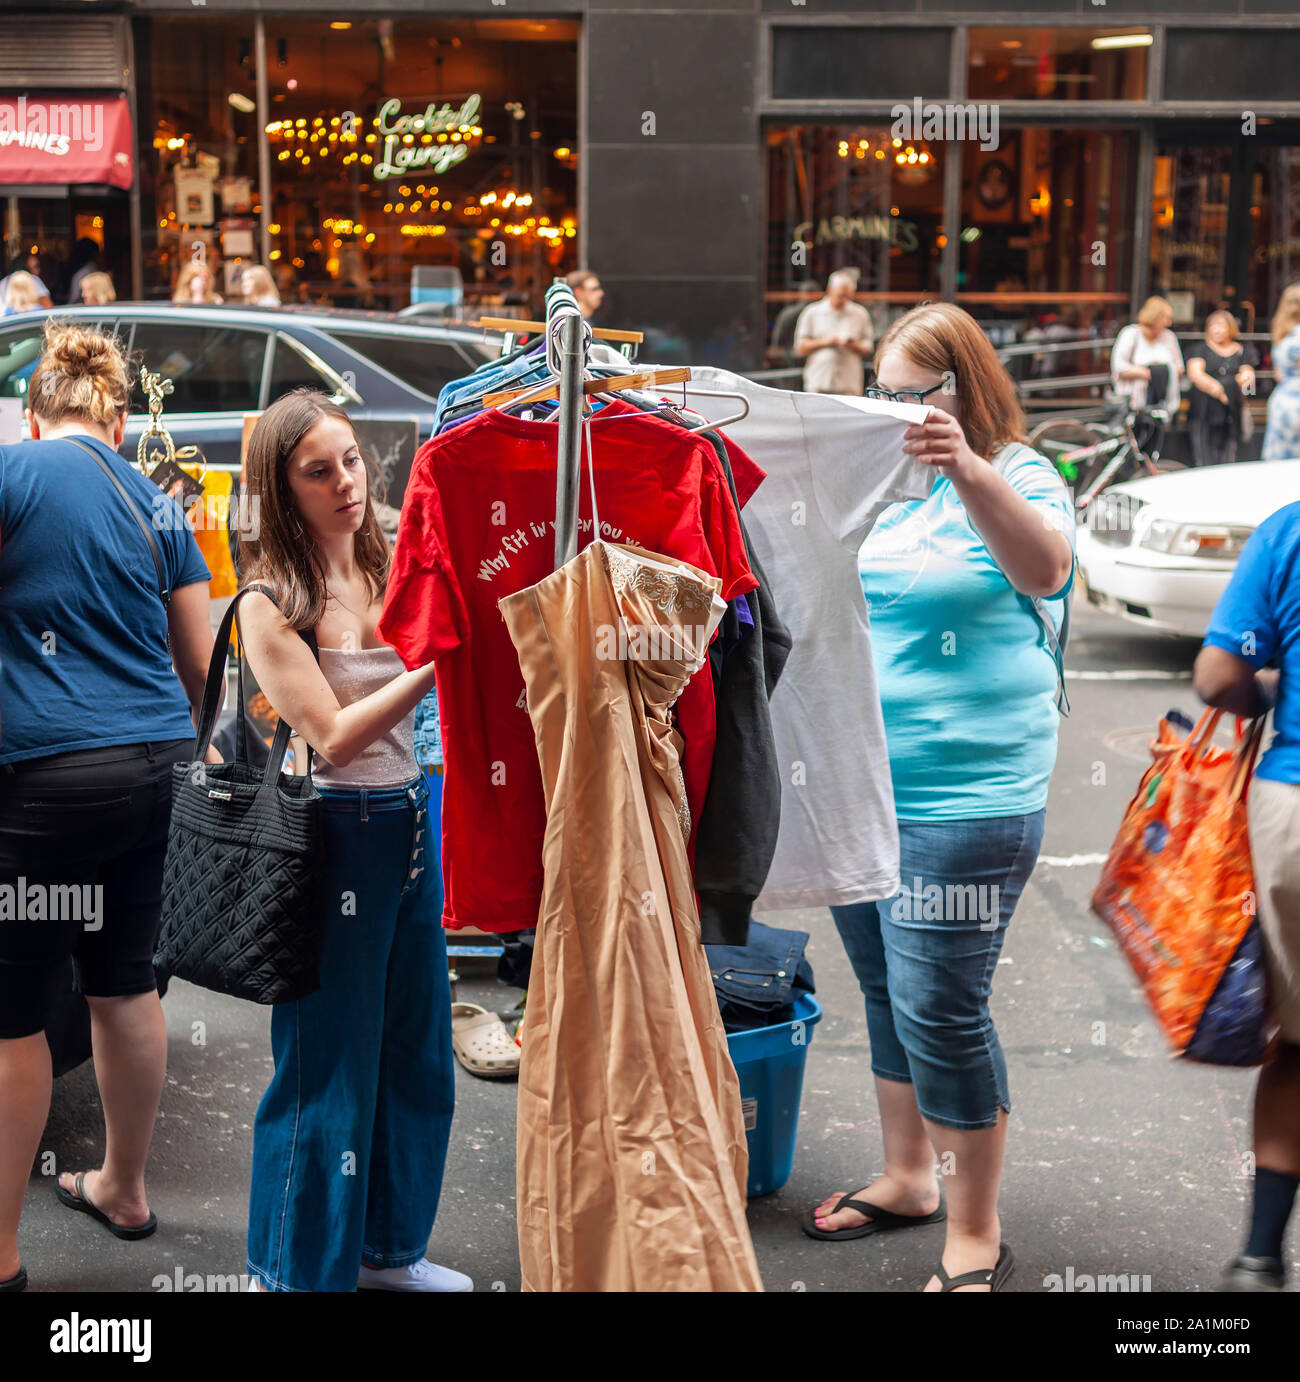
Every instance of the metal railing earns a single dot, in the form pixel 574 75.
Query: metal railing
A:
pixel 1082 394
pixel 1074 394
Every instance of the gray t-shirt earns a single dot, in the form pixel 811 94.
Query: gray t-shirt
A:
pixel 833 464
pixel 834 369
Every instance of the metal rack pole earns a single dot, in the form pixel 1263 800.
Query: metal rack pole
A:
pixel 572 352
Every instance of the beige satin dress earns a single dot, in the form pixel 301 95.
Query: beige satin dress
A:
pixel 632 1159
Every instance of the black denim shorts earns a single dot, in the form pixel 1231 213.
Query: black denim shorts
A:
pixel 82 841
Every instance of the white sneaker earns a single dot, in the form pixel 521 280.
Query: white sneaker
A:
pixel 418 1276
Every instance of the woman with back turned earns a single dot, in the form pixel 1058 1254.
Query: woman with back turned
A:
pixel 100 673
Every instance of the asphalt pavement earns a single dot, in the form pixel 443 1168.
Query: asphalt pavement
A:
pixel 1121 1162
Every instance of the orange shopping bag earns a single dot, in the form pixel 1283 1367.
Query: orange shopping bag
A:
pixel 1178 892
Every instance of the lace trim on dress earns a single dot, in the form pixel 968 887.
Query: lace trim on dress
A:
pixel 683 807
pixel 671 591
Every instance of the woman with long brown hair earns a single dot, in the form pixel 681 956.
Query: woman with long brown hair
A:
pixel 967 681
pixel 194 283
pixel 350 1138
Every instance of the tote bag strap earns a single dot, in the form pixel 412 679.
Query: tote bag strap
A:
pixel 213 687
pixel 164 593
pixel 1056 642
pixel 1247 756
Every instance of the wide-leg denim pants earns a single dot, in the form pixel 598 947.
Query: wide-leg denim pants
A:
pixel 350 1138
pixel 925 960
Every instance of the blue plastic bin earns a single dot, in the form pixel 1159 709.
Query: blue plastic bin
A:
pixel 770 1063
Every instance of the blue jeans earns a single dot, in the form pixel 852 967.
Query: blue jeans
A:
pixel 925 960
pixel 350 1138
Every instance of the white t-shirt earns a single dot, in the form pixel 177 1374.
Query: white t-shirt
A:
pixel 833 369
pixel 1132 348
pixel 833 464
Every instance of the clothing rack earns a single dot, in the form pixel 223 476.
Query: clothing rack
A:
pixel 567 339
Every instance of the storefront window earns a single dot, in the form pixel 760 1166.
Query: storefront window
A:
pixel 1224 224
pixel 1275 231
pixel 401 145
pixel 1247 64
pixel 54 236
pixel 410 160
pixel 1058 64
pixel 850 196
pixel 198 150
pixel 858 63
pixel 1045 241
pixel 1190 256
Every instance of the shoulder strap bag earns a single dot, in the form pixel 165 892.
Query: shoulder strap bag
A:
pixel 164 593
pixel 241 880
pixel 1055 642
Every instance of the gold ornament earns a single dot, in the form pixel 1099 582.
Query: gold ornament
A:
pixel 155 446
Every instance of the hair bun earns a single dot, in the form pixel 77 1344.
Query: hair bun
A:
pixel 82 373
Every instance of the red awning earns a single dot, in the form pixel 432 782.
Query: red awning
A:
pixel 65 139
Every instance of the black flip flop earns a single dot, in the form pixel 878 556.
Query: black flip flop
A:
pixel 882 1220
pixel 994 1279
pixel 80 1203
pixel 17 1282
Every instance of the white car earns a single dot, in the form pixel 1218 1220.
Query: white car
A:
pixel 1159 551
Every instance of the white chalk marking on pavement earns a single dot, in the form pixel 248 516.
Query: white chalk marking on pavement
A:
pixel 1071 861
pixel 1128 674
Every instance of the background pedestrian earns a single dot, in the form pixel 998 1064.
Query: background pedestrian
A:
pixel 97 290
pixel 586 288
pixel 1282 436
pixel 22 293
pixel 259 287
pixel 1222 373
pixel 194 283
pixel 834 336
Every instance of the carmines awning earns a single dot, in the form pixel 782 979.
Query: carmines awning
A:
pixel 65 139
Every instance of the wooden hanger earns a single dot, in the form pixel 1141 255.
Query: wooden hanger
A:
pixel 601 333
pixel 540 393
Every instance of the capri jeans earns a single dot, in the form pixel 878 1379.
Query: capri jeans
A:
pixel 925 959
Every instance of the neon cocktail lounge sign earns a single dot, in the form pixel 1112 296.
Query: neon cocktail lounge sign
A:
pixel 399 158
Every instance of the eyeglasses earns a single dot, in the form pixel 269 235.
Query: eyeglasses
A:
pixel 904 395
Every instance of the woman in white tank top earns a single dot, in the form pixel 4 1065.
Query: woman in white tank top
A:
pixel 350 1138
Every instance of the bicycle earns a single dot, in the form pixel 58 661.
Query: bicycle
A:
pixel 1092 456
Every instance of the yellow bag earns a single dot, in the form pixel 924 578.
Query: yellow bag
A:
pixel 209 516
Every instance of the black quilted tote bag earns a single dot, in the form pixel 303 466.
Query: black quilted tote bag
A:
pixel 241 882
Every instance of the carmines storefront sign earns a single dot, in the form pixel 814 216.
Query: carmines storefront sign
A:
pixel 65 139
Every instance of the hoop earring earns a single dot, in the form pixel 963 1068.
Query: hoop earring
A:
pixel 301 531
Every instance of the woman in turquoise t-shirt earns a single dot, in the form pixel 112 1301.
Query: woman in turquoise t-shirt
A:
pixel 967 685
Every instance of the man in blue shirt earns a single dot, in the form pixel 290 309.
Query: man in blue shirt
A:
pixel 1256 622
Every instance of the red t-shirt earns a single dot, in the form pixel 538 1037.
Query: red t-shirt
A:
pixel 478 523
